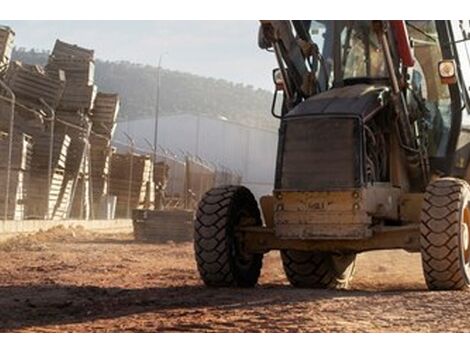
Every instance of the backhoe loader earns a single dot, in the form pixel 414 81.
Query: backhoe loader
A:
pixel 373 154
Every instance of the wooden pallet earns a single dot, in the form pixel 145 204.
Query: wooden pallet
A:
pixel 7 38
pixel 18 190
pixel 40 159
pixel 104 115
pixel 163 226
pixel 77 71
pixel 140 182
pixel 19 173
pixel 30 83
pixel 21 150
pixel 77 97
pixel 63 50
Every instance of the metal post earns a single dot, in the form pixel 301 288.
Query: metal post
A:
pixel 131 170
pixel 198 126
pixel 152 173
pixel 157 107
pixel 10 146
pixel 51 150
pixel 82 168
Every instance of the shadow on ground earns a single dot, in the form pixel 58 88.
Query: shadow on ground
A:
pixel 41 305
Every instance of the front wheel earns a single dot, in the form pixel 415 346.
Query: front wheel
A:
pixel 445 221
pixel 220 257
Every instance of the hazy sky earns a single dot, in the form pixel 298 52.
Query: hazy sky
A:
pixel 220 49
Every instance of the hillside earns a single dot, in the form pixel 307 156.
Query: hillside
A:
pixel 180 92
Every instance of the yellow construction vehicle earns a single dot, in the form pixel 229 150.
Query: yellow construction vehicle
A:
pixel 373 154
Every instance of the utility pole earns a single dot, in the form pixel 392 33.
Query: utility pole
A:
pixel 155 131
pixel 157 107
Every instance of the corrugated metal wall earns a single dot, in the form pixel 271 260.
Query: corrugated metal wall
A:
pixel 247 150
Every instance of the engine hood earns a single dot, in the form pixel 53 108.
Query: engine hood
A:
pixel 359 100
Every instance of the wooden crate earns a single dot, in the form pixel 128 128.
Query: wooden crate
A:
pixel 77 71
pixel 30 83
pixel 63 50
pixel 21 150
pixel 60 145
pixel 7 38
pixel 141 184
pixel 18 189
pixel 40 203
pixel 26 121
pixel 78 98
pixel 19 174
pixel 104 115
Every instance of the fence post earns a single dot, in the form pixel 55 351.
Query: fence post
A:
pixel 10 146
pixel 131 171
pixel 51 150
pixel 187 181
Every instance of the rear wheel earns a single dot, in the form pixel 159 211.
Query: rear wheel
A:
pixel 220 256
pixel 318 269
pixel 445 221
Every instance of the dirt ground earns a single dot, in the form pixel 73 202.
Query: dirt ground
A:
pixel 74 281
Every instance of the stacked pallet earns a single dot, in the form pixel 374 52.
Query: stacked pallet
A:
pixel 131 182
pixel 78 65
pixel 81 207
pixel 63 50
pixel 73 120
pixel 45 194
pixel 7 37
pixel 75 125
pixel 31 83
pixel 105 112
pixel 100 161
pixel 19 174
pixel 174 225
pixel 67 86
pixel 80 72
pixel 103 117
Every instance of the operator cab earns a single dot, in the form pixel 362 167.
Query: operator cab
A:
pixel 351 54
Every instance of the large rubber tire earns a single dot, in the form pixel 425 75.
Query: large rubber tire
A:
pixel 445 220
pixel 318 269
pixel 220 258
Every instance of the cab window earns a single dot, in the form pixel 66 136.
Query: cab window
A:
pixel 361 52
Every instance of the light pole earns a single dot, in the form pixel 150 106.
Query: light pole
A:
pixel 157 107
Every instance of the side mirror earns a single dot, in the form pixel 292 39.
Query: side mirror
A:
pixel 447 71
pixel 278 80
pixel 277 106
pixel 264 40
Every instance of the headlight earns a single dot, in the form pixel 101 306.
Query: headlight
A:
pixel 447 71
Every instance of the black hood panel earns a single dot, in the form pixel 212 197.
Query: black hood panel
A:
pixel 359 100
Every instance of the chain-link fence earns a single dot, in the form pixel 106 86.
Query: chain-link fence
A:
pixel 179 180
